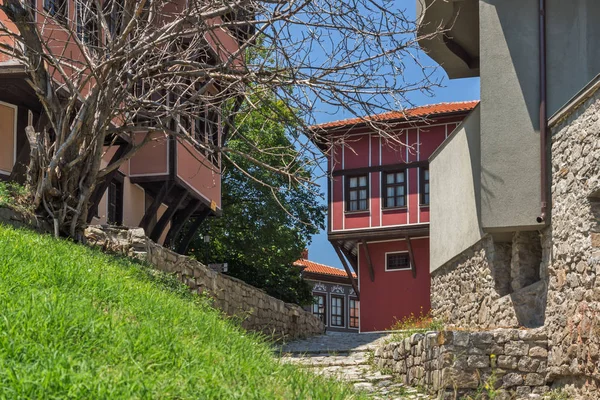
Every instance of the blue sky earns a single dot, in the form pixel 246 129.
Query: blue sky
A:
pixel 320 250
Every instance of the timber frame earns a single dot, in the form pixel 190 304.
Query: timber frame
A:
pixel 346 245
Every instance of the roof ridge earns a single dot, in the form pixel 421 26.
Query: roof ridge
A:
pixel 304 261
pixel 402 113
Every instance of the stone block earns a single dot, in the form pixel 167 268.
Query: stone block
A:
pixel 516 348
pixel 538 351
pixel 512 379
pixel 461 338
pixel 528 364
pixel 508 362
pixel 478 361
pixel 481 338
pixel 535 379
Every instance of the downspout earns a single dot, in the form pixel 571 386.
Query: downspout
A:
pixel 543 115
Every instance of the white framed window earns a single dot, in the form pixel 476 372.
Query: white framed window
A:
pixel 397 261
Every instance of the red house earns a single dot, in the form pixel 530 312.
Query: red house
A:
pixel 378 196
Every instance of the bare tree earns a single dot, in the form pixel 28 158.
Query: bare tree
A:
pixel 114 70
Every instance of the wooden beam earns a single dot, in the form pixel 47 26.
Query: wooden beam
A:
pixel 413 265
pixel 348 272
pixel 368 254
pixel 351 259
pixel 103 185
pixel 153 209
pixel 379 168
pixel 179 196
pixel 189 235
pixel 381 234
pixel 179 220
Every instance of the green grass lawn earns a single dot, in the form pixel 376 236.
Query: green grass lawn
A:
pixel 76 323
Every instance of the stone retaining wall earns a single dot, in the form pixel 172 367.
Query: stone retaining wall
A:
pixel 573 310
pixel 480 288
pixel 257 310
pixel 492 284
pixel 451 364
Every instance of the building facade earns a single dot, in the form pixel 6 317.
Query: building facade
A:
pixel 518 204
pixel 164 185
pixel 335 301
pixel 379 213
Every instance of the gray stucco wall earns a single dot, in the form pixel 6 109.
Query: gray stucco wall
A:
pixel 509 29
pixel 510 176
pixel 454 170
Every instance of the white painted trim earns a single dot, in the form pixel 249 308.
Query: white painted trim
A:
pixel 358 278
pixel 418 174
pixel 379 227
pixel 343 297
pixel 446 133
pixel 406 128
pixel 16 117
pixel 311 309
pixel 343 187
pixel 380 188
pixel 396 240
pixel 331 200
pixel 395 252
pixel 349 297
pixel 406 177
pixel 370 187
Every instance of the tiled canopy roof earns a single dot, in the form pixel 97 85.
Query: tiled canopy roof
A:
pixel 427 111
pixel 322 269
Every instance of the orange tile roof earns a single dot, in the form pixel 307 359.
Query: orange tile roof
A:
pixel 427 111
pixel 322 269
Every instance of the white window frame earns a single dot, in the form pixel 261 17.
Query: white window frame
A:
pixel 396 252
pixel 343 298
pixel 14 161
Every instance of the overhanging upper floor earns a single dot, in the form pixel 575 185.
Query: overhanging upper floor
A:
pixel 448 32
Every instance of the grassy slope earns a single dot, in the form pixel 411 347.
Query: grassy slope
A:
pixel 76 323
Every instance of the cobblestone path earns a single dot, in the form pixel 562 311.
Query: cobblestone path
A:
pixel 346 356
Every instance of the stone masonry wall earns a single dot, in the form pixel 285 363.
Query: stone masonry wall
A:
pixel 464 292
pixel 492 285
pixel 451 364
pixel 257 310
pixel 573 309
pixel 471 290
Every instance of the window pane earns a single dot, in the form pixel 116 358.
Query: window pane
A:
pixel 426 188
pixel 353 182
pixel 390 191
pixel 426 199
pixel 426 174
pixel 400 177
pixel 353 205
pixel 400 202
pixel 363 194
pixel 363 205
pixel 389 178
pixel 390 202
pixel 398 261
pixel 362 181
pixel 353 195
pixel 399 190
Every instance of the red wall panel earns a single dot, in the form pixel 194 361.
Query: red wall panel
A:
pixel 393 294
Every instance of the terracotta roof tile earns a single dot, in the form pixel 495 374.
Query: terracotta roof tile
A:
pixel 322 269
pixel 428 111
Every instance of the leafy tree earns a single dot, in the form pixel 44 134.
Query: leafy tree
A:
pixel 267 219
